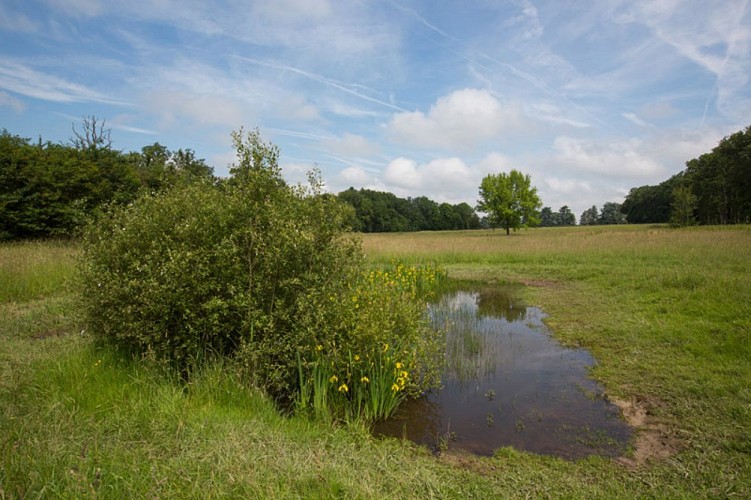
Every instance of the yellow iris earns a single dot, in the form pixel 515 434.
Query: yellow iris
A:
pixel 343 388
pixel 333 379
pixel 395 387
pixel 364 380
pixel 399 366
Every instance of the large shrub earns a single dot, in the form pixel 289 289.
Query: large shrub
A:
pixel 249 268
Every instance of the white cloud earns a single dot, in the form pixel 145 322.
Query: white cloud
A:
pixel 461 119
pixel 351 145
pixel 617 159
pixel 296 107
pixel 494 163
pixel 451 177
pixel 402 172
pixel 175 107
pixel 355 176
pixel 567 186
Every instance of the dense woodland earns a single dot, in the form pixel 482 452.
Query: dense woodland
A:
pixel 377 212
pixel 715 188
pixel 49 189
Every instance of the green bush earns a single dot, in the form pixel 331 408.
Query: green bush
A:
pixel 248 268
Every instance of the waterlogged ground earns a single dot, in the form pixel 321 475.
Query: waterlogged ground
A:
pixel 509 383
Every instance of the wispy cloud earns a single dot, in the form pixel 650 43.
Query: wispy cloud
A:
pixel 11 102
pixel 16 21
pixel 23 80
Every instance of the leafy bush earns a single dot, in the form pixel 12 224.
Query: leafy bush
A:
pixel 248 268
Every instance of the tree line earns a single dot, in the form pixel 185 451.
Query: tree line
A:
pixel 714 188
pixel 50 189
pixel 376 212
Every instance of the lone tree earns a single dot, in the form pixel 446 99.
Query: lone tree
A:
pixel 510 201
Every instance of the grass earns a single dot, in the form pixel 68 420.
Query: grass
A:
pixel 34 270
pixel 666 313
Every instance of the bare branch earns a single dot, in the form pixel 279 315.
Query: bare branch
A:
pixel 93 135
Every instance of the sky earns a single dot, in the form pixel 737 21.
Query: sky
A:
pixel 418 97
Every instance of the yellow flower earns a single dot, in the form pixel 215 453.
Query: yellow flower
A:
pixel 399 366
pixel 400 381
pixel 385 347
pixel 403 374
pixel 364 380
pixel 343 388
pixel 319 348
pixel 333 379
pixel 357 357
pixel 395 387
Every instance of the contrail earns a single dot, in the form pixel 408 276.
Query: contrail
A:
pixel 321 79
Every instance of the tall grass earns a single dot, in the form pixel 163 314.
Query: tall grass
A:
pixel 31 270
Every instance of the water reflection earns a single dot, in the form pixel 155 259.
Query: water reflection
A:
pixel 508 382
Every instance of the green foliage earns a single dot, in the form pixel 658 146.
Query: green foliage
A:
pixel 50 190
pixel 376 212
pixel 611 214
pixel 382 348
pixel 563 217
pixel 509 200
pixel 667 318
pixel 651 203
pixel 683 206
pixel 720 180
pixel 250 269
pixel 589 217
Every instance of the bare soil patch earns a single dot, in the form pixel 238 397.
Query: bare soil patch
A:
pixel 654 440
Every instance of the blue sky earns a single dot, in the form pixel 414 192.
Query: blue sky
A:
pixel 415 97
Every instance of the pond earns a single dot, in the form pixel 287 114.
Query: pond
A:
pixel 508 382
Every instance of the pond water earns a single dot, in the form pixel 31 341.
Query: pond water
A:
pixel 507 382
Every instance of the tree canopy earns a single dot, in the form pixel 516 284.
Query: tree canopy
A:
pixel 49 189
pixel 510 200
pixel 376 212
pixel 720 182
pixel 563 217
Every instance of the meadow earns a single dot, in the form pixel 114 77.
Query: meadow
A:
pixel 665 312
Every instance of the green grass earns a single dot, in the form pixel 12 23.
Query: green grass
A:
pixel 666 313
pixel 34 269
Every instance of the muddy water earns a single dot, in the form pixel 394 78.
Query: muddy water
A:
pixel 507 382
